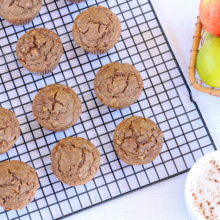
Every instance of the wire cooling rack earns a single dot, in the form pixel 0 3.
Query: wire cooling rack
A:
pixel 165 99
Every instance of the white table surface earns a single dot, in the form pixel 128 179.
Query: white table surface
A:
pixel 165 200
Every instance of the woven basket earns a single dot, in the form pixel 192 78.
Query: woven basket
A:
pixel 193 76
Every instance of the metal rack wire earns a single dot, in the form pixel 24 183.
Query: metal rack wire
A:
pixel 166 99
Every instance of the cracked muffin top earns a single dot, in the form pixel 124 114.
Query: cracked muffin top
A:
pixel 118 85
pixel 75 160
pixel 137 140
pixel 18 184
pixel 9 130
pixel 19 12
pixel 97 29
pixel 39 50
pixel 56 107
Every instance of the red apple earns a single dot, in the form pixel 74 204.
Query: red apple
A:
pixel 210 16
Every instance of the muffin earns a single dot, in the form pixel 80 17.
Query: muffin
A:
pixel 18 184
pixel 19 12
pixel 56 107
pixel 118 85
pixel 39 50
pixel 137 140
pixel 97 29
pixel 9 130
pixel 75 161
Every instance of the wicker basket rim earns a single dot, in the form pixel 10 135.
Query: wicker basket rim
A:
pixel 192 67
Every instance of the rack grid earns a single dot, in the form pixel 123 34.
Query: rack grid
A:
pixel 166 99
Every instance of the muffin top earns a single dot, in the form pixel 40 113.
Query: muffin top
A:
pixel 56 107
pixel 97 29
pixel 19 11
pixel 118 85
pixel 137 140
pixel 39 50
pixel 19 184
pixel 75 160
pixel 9 130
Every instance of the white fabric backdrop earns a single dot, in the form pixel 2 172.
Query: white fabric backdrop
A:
pixel 165 201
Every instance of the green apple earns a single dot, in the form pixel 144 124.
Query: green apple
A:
pixel 208 62
pixel 209 36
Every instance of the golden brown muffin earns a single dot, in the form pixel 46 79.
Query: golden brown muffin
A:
pixel 75 161
pixel 18 184
pixel 9 130
pixel 19 12
pixel 97 29
pixel 137 140
pixel 39 50
pixel 118 85
pixel 57 107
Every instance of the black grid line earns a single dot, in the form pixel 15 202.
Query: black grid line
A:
pixel 166 99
